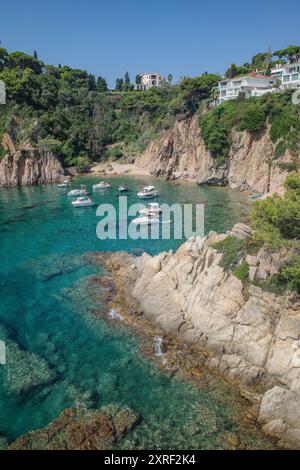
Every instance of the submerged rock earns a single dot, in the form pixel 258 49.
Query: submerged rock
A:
pixel 48 267
pixel 80 430
pixel 24 370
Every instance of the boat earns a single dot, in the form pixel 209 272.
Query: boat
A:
pixel 83 201
pixel 101 185
pixel 123 188
pixel 153 208
pixel 148 219
pixel 78 192
pixel 148 192
pixel 64 184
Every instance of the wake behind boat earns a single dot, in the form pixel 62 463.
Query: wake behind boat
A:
pixel 148 192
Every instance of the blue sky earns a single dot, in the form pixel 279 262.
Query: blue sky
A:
pixel 185 37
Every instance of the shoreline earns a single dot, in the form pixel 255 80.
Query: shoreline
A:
pixel 186 361
pixel 117 169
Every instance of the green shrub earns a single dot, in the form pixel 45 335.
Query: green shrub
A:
pixel 81 163
pixel 113 152
pixel 290 273
pixel 288 166
pixel 232 249
pixel 274 284
pixel 276 220
pixel 280 150
pixel 253 118
pixel 242 271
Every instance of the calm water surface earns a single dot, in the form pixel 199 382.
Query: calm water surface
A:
pixel 60 355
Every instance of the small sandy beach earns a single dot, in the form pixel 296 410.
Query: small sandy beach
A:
pixel 115 168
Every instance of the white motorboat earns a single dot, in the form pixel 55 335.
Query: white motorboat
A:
pixel 148 192
pixel 153 208
pixel 148 219
pixel 78 192
pixel 101 185
pixel 83 202
pixel 123 188
pixel 64 184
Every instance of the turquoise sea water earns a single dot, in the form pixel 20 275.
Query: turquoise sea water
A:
pixel 59 354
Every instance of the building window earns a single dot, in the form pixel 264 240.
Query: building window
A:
pixel 286 78
pixel 237 83
pixel 295 76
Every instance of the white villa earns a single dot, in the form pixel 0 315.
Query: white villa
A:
pixel 251 85
pixel 288 74
pixel 150 80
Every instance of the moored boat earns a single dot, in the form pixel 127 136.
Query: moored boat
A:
pixel 78 192
pixel 101 185
pixel 148 219
pixel 153 208
pixel 64 184
pixel 83 202
pixel 148 192
pixel 123 188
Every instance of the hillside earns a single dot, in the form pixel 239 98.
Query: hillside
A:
pixel 70 116
pixel 249 144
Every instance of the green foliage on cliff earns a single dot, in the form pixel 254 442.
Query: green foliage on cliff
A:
pixel 253 115
pixel 232 249
pixel 276 220
pixel 242 271
pixel 276 223
pixel 71 112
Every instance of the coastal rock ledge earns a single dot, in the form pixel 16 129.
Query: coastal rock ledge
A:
pixel 249 335
pixel 26 165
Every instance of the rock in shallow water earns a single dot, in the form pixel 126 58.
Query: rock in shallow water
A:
pixel 80 430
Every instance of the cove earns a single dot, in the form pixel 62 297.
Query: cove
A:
pixel 60 354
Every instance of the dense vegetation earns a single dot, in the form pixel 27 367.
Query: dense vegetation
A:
pixel 73 114
pixel 263 61
pixel 252 115
pixel 276 226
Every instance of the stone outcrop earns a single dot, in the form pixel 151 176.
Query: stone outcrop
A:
pixel 79 429
pixel 250 335
pixel 181 153
pixel 27 165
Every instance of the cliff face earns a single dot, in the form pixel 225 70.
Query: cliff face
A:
pixel 249 335
pixel 181 152
pixel 28 165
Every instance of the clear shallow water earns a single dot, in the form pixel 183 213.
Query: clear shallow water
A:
pixel 66 356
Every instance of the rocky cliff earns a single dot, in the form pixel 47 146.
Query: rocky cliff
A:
pixel 25 165
pixel 249 335
pixel 181 152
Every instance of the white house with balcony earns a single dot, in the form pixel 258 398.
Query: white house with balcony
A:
pixel 249 85
pixel 149 80
pixel 287 74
